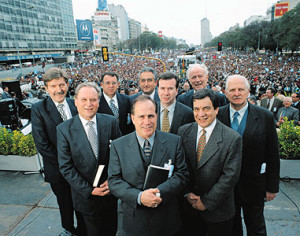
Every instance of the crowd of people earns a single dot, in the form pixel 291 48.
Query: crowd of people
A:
pixel 220 151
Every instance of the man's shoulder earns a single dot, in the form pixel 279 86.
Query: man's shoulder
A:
pixel 185 128
pixel 183 108
pixel 169 137
pixel 227 132
pixel 186 95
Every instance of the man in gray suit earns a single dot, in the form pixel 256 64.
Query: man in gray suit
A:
pixel 213 154
pixel 151 211
pixel 171 113
pixel 82 145
pixel 287 111
pixel 271 102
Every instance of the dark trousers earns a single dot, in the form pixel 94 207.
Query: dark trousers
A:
pixel 194 224
pixel 103 223
pixel 253 216
pixel 62 192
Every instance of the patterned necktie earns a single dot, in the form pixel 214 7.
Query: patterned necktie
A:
pixel 60 108
pixel 93 138
pixel 201 145
pixel 147 149
pixel 235 122
pixel 268 105
pixel 165 122
pixel 114 108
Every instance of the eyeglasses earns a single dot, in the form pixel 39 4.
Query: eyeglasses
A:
pixel 110 83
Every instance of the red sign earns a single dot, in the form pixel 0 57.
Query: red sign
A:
pixel 160 34
pixel 281 8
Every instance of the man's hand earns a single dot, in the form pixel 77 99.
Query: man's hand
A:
pixel 270 196
pixel 196 202
pixel 149 198
pixel 102 190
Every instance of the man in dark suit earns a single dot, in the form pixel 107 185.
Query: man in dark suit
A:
pixel 296 103
pixel 291 113
pixel 5 93
pixel 83 145
pixel 147 81
pixel 151 211
pixel 271 102
pixel 259 178
pixel 115 104
pixel 171 114
pixel 213 154
pixel 45 116
pixel 197 75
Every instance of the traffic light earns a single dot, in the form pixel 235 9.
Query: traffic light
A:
pixel 219 46
pixel 105 54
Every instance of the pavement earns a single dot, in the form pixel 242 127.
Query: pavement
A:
pixel 28 207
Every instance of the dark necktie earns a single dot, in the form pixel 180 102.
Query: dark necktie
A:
pixel 147 148
pixel 201 145
pixel 93 138
pixel 114 108
pixel 268 105
pixel 60 108
pixel 235 122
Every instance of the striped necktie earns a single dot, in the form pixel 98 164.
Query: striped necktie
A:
pixel 147 149
pixel 114 108
pixel 60 108
pixel 201 145
pixel 93 138
pixel 165 122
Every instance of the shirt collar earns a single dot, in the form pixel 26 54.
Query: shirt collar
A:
pixel 151 95
pixel 107 98
pixel 170 108
pixel 209 128
pixel 241 111
pixel 84 121
pixel 64 102
pixel 142 140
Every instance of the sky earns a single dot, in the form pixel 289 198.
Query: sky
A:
pixel 181 18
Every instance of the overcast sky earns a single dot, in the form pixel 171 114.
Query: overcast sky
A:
pixel 181 18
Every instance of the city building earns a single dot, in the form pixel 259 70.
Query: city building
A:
pixel 134 28
pixel 34 28
pixel 206 35
pixel 120 14
pixel 255 18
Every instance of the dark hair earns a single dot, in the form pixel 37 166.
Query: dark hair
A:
pixel 273 91
pixel 203 93
pixel 168 76
pixel 148 69
pixel 54 73
pixel 142 98
pixel 110 73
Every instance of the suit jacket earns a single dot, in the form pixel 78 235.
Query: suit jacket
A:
pixel 134 96
pixel 77 162
pixel 124 112
pixel 182 115
pixel 275 107
pixel 126 178
pixel 292 113
pixel 45 117
pixel 260 145
pixel 214 178
pixel 5 95
pixel 187 98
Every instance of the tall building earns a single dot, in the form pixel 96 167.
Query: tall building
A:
pixel 122 18
pixel 35 27
pixel 206 35
pixel 134 28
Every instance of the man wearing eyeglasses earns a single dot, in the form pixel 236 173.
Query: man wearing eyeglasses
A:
pixel 115 104
pixel 147 81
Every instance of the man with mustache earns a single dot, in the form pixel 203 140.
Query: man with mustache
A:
pixel 197 75
pixel 259 178
pixel 45 116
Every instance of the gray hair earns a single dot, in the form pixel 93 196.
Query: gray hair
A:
pixel 192 66
pixel 238 76
pixel 288 98
pixel 148 69
pixel 54 73
pixel 88 84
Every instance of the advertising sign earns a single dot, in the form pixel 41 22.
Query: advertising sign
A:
pixel 102 15
pixel 281 8
pixel 84 30
pixel 97 41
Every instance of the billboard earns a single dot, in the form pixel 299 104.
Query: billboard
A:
pixel 97 41
pixel 102 5
pixel 84 30
pixel 281 8
pixel 102 15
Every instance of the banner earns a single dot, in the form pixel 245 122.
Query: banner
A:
pixel 84 30
pixel 97 41
pixel 102 15
pixel 281 8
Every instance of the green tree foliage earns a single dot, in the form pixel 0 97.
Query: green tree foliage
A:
pixel 282 33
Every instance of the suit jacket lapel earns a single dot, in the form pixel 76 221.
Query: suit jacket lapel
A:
pixel 191 145
pixel 158 115
pixel 177 118
pixel 72 107
pixel 252 121
pixel 212 145
pixel 159 150
pixel 83 142
pixel 53 112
